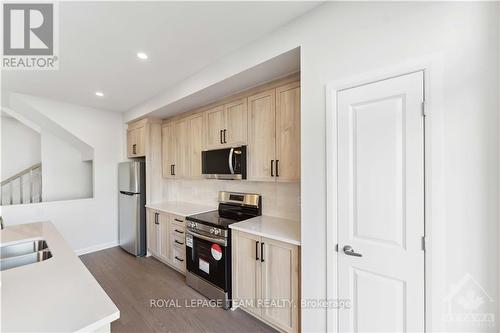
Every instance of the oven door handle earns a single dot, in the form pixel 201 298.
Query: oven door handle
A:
pixel 210 239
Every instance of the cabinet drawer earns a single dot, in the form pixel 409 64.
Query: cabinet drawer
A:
pixel 177 229
pixel 178 239
pixel 178 220
pixel 179 258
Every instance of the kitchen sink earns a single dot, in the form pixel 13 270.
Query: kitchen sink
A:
pixel 25 253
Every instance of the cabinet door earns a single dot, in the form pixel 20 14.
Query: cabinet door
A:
pixel 130 142
pixel 280 274
pixel 288 132
pixel 215 124
pixel 261 136
pixel 164 236
pixel 236 123
pixel 247 270
pixel 181 165
pixel 152 232
pixel 195 145
pixel 168 149
pixel 140 141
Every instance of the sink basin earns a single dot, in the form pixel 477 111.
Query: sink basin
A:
pixel 24 253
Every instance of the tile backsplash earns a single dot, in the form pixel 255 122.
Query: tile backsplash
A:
pixel 278 199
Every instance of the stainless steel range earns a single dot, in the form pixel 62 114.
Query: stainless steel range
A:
pixel 208 244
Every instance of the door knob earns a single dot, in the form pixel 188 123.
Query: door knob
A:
pixel 348 250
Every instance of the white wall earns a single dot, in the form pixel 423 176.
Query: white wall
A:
pixel 86 223
pixel 278 199
pixel 21 142
pixel 339 40
pixel 64 175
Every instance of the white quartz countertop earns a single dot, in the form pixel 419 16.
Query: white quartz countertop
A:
pixel 271 227
pixel 181 208
pixel 55 295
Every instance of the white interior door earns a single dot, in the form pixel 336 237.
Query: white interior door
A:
pixel 381 205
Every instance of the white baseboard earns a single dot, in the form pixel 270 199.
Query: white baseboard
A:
pixel 95 248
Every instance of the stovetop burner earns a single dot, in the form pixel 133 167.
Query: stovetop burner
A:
pixel 233 207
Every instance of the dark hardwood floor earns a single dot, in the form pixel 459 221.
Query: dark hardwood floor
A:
pixel 133 282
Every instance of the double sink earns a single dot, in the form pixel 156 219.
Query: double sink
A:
pixel 23 253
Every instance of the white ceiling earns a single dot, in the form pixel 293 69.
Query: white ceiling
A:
pixel 99 42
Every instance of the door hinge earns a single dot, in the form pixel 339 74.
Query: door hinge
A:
pixel 423 109
pixel 423 243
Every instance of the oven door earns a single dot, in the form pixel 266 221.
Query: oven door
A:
pixel 208 258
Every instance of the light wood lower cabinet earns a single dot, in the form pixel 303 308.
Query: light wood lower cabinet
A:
pixel 266 279
pixel 166 237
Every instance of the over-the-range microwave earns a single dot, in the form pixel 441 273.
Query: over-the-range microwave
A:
pixel 227 163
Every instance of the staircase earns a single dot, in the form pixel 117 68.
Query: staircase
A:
pixel 23 188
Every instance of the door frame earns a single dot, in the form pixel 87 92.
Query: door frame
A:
pixel 435 237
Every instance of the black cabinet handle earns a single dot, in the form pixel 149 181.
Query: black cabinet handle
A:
pixel 178 242
pixel 261 252
pixel 173 169
pixel 225 136
pixel 220 133
pixel 272 167
pixel 178 231
pixel 178 220
pixel 256 250
pixel 134 149
pixel 277 168
pixel 156 218
pixel 181 260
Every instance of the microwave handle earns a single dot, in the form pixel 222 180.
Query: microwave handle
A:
pixel 231 168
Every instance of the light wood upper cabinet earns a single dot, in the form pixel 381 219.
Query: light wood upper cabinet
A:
pixel 266 269
pixel 247 270
pixel 136 139
pixel 227 125
pixel 261 136
pixel 195 145
pixel 288 132
pixel 181 165
pixel 168 146
pixel 214 127
pixel 235 131
pixel 280 274
pixel 274 134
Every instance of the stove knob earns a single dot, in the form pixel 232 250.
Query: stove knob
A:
pixel 212 230
pixel 217 231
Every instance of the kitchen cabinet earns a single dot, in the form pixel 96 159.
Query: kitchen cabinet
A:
pixel 181 165
pixel 247 268
pixel 177 244
pixel 195 145
pixel 168 149
pixel 227 125
pixel 152 232
pixel 166 237
pixel 215 125
pixel 261 136
pixel 266 269
pixel 287 164
pixel 274 134
pixel 163 236
pixel 136 139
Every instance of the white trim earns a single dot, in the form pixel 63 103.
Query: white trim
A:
pixel 434 178
pixel 96 248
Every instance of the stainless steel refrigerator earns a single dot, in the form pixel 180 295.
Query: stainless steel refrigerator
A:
pixel 132 210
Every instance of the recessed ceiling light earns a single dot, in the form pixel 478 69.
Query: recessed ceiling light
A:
pixel 142 55
pixel 99 93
